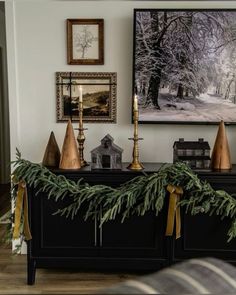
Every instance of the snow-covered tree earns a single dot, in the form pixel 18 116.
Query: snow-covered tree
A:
pixel 84 40
pixel 182 50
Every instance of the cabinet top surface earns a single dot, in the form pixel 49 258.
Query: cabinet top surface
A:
pixel 148 168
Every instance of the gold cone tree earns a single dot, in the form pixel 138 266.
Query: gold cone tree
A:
pixel 220 158
pixel 52 153
pixel 70 158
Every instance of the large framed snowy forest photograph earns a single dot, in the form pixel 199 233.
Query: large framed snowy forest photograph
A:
pixel 184 68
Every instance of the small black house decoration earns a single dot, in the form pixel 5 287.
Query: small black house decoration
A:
pixel 194 153
pixel 107 156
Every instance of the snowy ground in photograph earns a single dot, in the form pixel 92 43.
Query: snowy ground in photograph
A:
pixel 206 108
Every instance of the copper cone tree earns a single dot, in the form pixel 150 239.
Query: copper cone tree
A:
pixel 70 158
pixel 220 158
pixel 52 153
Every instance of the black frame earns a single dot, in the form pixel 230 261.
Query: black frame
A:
pixel 133 68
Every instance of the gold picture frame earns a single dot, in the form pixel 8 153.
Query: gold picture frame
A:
pixel 85 41
pixel 99 96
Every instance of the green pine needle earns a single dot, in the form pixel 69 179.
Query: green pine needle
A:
pixel 135 197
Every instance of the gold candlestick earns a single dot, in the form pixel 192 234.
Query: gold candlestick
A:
pixel 135 164
pixel 81 137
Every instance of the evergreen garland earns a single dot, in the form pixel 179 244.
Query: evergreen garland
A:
pixel 135 197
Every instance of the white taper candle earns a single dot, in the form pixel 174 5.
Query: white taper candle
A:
pixel 135 103
pixel 80 94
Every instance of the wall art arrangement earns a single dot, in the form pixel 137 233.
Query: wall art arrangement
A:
pixel 85 41
pixel 185 66
pixel 99 96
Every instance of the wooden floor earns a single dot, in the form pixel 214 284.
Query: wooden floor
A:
pixel 13 278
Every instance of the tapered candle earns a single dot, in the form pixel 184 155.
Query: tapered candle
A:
pixel 135 103
pixel 80 94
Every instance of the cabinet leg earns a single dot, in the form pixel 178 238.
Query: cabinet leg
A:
pixel 31 271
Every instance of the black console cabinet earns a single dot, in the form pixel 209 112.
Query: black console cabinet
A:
pixel 137 244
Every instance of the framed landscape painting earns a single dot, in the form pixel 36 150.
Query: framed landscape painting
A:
pixel 184 69
pixel 98 94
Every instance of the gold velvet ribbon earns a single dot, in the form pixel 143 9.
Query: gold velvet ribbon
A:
pixel 174 211
pixel 21 208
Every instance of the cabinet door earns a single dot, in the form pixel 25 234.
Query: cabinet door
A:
pixel 204 235
pixel 137 236
pixel 55 235
pixel 142 236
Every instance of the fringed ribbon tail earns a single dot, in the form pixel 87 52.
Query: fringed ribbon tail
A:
pixel 21 210
pixel 173 217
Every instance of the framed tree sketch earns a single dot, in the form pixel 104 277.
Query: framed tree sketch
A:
pixel 184 69
pixel 85 41
pixel 98 95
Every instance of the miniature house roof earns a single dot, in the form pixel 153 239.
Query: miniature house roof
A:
pixel 192 145
pixel 108 138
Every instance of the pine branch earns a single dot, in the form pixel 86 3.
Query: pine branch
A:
pixel 135 197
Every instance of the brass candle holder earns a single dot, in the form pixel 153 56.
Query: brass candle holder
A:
pixel 135 164
pixel 81 137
